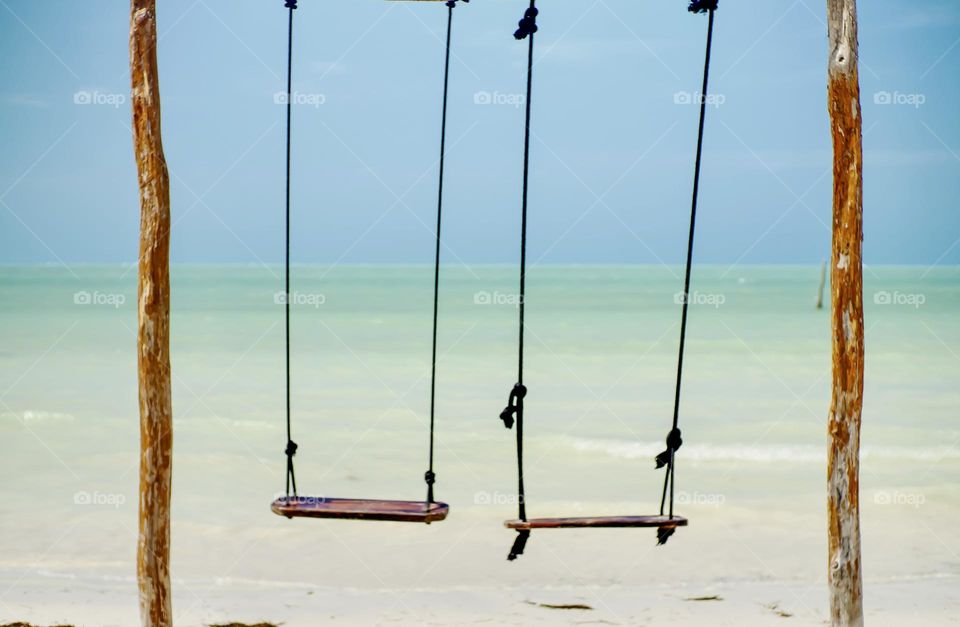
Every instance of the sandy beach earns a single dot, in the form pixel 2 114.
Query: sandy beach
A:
pixel 758 604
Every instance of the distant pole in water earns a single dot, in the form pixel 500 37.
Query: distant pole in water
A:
pixel 153 323
pixel 843 463
pixel 823 283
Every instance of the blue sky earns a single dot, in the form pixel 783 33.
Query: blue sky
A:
pixel 612 152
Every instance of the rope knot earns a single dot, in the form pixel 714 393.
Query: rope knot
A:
pixel 702 6
pixel 291 449
pixel 430 478
pixel 514 405
pixel 290 4
pixel 674 442
pixel 528 25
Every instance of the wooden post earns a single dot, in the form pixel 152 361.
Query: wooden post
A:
pixel 843 464
pixel 153 330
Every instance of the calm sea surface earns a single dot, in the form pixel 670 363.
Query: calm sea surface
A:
pixel 601 360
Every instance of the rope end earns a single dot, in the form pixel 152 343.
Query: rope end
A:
pixel 519 544
pixel 663 534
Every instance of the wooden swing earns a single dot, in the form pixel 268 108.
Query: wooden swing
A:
pixel 293 505
pixel 666 522
pixel 360 509
pixel 595 521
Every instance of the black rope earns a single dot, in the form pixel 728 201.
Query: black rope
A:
pixel 291 448
pixel 430 477
pixel 674 439
pixel 526 29
pixel 528 26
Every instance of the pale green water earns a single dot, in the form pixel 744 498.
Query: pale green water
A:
pixel 600 365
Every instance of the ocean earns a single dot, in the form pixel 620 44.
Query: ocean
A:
pixel 600 365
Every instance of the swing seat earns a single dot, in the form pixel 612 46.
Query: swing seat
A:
pixel 359 509
pixel 598 521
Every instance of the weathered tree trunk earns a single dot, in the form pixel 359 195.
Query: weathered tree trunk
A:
pixel 153 331
pixel 843 469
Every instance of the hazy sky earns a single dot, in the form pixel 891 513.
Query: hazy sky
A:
pixel 613 136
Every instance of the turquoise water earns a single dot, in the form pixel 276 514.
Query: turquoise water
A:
pixel 601 358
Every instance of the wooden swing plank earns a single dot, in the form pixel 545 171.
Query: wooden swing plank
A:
pixel 596 521
pixel 360 509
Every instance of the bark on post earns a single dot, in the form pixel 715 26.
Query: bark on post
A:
pixel 153 330
pixel 843 471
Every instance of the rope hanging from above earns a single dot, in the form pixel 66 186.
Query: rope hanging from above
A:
pixel 674 438
pixel 513 413
pixel 430 476
pixel 291 449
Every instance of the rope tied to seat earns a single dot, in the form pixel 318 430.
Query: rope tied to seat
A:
pixel 290 451
pixel 291 448
pixel 513 413
pixel 430 477
pixel 674 439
